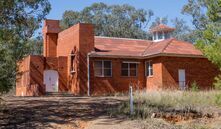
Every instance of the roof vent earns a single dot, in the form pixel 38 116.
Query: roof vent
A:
pixel 161 32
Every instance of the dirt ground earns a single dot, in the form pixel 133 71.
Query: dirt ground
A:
pixel 53 112
pixel 77 113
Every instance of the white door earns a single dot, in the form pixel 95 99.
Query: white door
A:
pixel 51 80
pixel 182 79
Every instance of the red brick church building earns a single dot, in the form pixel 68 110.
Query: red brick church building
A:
pixel 78 62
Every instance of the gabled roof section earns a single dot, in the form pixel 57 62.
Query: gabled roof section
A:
pixel 136 48
pixel 157 47
pixel 172 47
pixel 162 27
pixel 120 46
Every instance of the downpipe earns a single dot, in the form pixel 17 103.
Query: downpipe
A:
pixel 88 74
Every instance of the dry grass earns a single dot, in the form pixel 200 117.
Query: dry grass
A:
pixel 147 103
pixel 178 99
pixel 174 106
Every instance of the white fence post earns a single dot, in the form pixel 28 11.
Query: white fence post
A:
pixel 131 100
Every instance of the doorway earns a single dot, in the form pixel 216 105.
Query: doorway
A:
pixel 182 79
pixel 51 80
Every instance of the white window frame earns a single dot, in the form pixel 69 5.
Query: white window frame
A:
pixel 148 69
pixel 102 68
pixel 128 70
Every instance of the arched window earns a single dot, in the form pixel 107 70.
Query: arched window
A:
pixel 72 62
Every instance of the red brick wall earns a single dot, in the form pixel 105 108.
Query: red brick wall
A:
pixel 51 45
pixel 63 76
pixel 155 82
pixel 165 72
pixel 116 83
pixel 51 63
pixel 31 69
pixel 196 69
pixel 22 76
pixel 68 40
pixel 36 75
pixel 30 77
pixel 80 38
pixel 50 33
pixel 86 45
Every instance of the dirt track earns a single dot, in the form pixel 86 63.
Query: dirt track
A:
pixel 54 112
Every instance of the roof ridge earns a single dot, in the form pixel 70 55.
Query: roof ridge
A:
pixel 146 49
pixel 122 38
pixel 168 43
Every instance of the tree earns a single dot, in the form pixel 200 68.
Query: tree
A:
pixel 210 42
pixel 183 31
pixel 115 20
pixel 196 9
pixel 18 21
pixel 35 46
pixel 159 20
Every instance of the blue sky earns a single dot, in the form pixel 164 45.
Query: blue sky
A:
pixel 161 8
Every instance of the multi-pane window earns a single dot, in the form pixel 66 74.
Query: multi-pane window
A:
pixel 103 68
pixel 149 68
pixel 129 69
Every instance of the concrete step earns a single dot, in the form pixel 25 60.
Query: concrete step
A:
pixel 59 94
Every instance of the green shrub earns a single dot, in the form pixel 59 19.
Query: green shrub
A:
pixel 194 87
pixel 217 83
pixel 2 103
pixel 218 99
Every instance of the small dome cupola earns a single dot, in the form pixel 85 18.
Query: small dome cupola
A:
pixel 161 32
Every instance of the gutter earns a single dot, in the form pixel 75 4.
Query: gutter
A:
pixel 150 56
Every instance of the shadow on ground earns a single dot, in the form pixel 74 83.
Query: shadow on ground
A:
pixel 43 112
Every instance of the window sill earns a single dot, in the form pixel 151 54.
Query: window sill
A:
pixel 129 76
pixel 150 76
pixel 103 76
pixel 73 72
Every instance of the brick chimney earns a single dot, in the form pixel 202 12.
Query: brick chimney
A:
pixel 50 32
